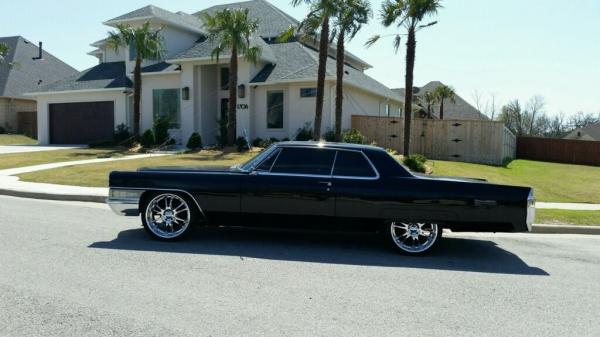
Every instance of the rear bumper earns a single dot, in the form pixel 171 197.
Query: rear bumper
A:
pixel 530 210
pixel 124 202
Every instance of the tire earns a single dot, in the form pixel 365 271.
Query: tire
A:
pixel 168 216
pixel 413 238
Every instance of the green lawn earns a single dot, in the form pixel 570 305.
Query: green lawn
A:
pixel 96 175
pixel 551 181
pixel 16 140
pixel 567 217
pixel 13 160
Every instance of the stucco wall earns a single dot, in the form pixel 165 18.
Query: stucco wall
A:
pixel 150 83
pixel 43 101
pixel 9 108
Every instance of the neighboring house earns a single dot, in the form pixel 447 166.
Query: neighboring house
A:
pixel 460 109
pixel 26 67
pixel 590 132
pixel 276 96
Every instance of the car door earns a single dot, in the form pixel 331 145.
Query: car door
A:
pixel 292 187
pixel 357 188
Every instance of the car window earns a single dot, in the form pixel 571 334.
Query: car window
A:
pixel 352 164
pixel 304 161
pixel 265 166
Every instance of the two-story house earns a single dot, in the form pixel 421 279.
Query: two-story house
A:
pixel 276 96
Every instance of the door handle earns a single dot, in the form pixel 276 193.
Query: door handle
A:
pixel 327 183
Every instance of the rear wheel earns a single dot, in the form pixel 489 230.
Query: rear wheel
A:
pixel 168 216
pixel 413 238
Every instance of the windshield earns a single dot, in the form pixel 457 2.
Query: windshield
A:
pixel 252 163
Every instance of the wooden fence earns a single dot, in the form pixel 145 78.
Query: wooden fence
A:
pixel 474 141
pixel 571 151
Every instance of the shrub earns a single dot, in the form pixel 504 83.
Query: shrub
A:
pixel 194 142
pixel 148 139
pixel 353 136
pixel 2 130
pixel 161 129
pixel 241 143
pixel 122 135
pixel 304 133
pixel 329 136
pixel 415 162
pixel 286 139
pixel 257 141
pixel 274 140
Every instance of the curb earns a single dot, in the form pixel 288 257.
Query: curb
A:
pixel 59 197
pixel 565 229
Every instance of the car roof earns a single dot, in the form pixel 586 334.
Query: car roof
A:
pixel 331 145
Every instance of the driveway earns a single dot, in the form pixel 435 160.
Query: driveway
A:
pixel 76 269
pixel 7 149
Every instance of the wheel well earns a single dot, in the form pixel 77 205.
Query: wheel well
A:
pixel 149 194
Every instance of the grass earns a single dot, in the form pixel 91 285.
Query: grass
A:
pixel 96 175
pixel 551 181
pixel 16 140
pixel 13 160
pixel 567 217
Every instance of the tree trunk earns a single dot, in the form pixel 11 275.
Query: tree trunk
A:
pixel 442 108
pixel 231 113
pixel 339 87
pixel 323 54
pixel 137 90
pixel 411 44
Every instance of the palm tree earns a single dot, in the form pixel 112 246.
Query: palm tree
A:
pixel 352 14
pixel 148 44
pixel 429 98
pixel 231 30
pixel 318 20
pixel 407 14
pixel 444 92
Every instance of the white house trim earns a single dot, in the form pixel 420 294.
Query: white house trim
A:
pixel 157 73
pixel 75 91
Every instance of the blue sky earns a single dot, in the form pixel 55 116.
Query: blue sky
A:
pixel 512 48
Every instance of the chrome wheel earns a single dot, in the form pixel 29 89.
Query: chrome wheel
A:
pixel 168 216
pixel 414 237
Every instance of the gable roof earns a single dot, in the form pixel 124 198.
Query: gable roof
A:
pixel 103 76
pixel 27 72
pixel 592 131
pixel 295 61
pixel 179 19
pixel 202 49
pixel 460 109
pixel 272 20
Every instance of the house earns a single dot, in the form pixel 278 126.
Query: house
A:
pixel 25 68
pixel 590 132
pixel 276 95
pixel 459 109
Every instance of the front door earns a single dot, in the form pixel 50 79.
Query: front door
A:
pixel 294 188
pixel 223 120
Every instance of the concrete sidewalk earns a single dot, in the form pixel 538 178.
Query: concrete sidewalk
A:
pixel 567 206
pixel 9 149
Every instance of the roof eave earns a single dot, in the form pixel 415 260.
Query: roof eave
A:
pixel 43 93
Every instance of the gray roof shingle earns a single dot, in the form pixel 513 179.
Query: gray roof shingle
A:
pixel 460 109
pixel 203 49
pixel 28 74
pixel 160 67
pixel 295 61
pixel 180 18
pixel 103 76
pixel 272 20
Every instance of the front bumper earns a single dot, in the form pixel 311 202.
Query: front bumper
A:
pixel 124 202
pixel 530 210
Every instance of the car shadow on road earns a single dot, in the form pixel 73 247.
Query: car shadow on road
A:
pixel 453 253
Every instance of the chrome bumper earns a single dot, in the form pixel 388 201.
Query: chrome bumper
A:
pixel 124 202
pixel 530 210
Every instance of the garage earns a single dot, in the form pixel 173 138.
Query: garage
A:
pixel 81 122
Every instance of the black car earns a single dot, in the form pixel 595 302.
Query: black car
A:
pixel 320 186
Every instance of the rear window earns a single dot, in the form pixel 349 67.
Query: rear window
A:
pixel 352 164
pixel 314 161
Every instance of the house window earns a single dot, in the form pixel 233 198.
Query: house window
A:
pixel 387 110
pixel 275 109
pixel 308 92
pixel 224 78
pixel 165 102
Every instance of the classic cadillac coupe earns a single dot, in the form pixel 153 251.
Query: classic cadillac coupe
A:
pixel 320 186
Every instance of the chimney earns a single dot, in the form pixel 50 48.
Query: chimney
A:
pixel 39 57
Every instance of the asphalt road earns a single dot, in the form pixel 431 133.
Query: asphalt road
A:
pixel 75 269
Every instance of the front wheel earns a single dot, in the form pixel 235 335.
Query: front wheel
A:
pixel 413 238
pixel 168 216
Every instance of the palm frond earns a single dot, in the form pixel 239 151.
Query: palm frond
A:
pixel 372 40
pixel 397 40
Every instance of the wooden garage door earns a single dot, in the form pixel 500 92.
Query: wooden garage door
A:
pixel 81 123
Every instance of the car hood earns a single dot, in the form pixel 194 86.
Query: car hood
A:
pixel 186 169
pixel 449 178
